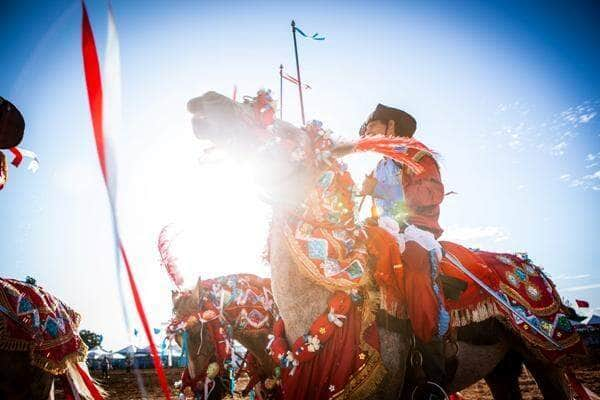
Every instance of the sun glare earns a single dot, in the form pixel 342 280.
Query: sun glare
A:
pixel 223 226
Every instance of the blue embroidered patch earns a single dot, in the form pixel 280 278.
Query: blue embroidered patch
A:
pixel 355 269
pixel 521 274
pixel 331 267
pixel 24 306
pixel 326 179
pixel 51 327
pixel 317 248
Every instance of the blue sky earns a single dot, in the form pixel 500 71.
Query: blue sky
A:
pixel 506 92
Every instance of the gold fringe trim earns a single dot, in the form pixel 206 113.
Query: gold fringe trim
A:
pixel 10 344
pixel 59 367
pixel 366 380
pixel 542 311
pixel 482 311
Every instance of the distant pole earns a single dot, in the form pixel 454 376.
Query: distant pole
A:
pixel 281 91
pixel 298 72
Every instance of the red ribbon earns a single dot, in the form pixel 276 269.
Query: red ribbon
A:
pixel 94 89
pixel 89 384
pixel 18 156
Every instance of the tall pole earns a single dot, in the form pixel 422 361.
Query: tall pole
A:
pixel 281 91
pixel 298 72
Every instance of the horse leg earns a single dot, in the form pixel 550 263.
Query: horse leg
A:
pixel 503 381
pixel 550 378
pixel 394 360
pixel 42 384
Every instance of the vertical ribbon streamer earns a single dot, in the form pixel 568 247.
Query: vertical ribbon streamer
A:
pixel 94 89
pixel 111 122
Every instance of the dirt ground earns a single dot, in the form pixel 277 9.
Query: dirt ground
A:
pixel 123 386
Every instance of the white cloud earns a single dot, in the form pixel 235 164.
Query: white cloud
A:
pixel 571 277
pixel 584 119
pixel 580 288
pixel 591 181
pixel 477 236
pixel 558 149
pixel 551 135
pixel 565 177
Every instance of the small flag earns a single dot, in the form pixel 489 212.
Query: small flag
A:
pixel 582 303
pixel 156 331
pixel 294 80
pixel 19 153
pixel 315 36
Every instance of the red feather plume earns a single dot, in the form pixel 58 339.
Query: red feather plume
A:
pixel 167 259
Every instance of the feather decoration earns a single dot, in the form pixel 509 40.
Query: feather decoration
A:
pixel 167 259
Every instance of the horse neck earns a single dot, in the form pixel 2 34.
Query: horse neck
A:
pixel 299 300
pixel 257 344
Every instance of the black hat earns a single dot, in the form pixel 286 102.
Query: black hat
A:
pixel 12 125
pixel 405 124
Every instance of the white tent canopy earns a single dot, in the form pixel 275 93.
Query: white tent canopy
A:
pixel 97 352
pixel 129 350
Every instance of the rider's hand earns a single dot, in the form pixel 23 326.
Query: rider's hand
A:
pixel 369 184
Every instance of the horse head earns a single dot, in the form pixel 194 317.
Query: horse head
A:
pixel 286 160
pixel 189 325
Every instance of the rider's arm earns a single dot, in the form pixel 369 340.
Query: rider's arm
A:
pixel 425 189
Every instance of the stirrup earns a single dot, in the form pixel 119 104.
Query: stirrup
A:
pixel 437 388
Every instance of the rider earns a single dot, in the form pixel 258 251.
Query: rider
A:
pixel 408 205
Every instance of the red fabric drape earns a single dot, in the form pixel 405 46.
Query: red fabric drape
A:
pixel 333 364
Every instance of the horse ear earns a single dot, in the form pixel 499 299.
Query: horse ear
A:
pixel 198 290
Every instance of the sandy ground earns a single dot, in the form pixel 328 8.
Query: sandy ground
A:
pixel 122 385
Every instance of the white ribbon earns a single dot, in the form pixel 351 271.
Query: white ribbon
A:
pixel 424 238
pixel 291 360
pixel 270 342
pixel 335 318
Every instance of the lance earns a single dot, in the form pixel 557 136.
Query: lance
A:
pixel 454 261
pixel 281 91
pixel 298 72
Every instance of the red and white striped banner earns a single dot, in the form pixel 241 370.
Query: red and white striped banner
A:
pixel 105 154
pixel 294 80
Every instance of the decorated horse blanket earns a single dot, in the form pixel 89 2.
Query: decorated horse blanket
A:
pixel 229 304
pixel 33 320
pixel 527 290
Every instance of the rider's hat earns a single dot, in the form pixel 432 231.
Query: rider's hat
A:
pixel 405 124
pixel 12 125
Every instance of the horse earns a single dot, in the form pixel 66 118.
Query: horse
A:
pixel 215 312
pixel 39 343
pixel 486 348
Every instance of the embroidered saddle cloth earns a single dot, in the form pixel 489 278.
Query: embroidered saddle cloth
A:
pixel 31 319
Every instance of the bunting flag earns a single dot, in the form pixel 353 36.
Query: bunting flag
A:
pixel 95 98
pixel 19 153
pixel 315 36
pixel 582 303
pixel 295 81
